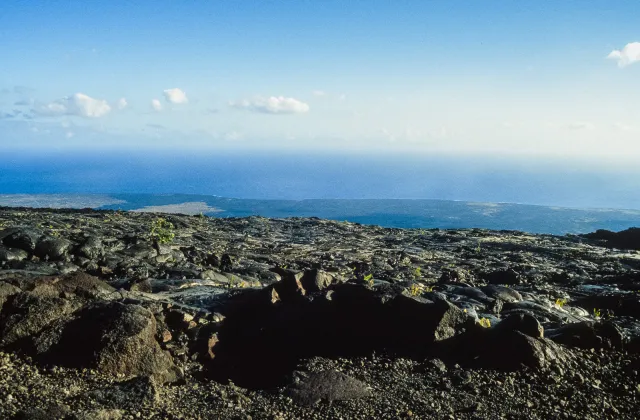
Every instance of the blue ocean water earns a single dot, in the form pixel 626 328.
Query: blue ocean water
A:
pixel 297 176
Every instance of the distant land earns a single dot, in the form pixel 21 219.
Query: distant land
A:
pixel 399 213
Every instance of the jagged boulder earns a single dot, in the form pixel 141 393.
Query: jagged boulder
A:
pixel 117 339
pixel 12 254
pixel 26 314
pixel 22 238
pixel 512 350
pixel 92 248
pixel 52 248
pixel 316 280
pixel 589 335
pixel 515 342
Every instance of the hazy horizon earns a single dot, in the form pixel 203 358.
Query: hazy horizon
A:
pixel 297 176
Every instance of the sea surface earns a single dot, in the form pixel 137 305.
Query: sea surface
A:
pixel 394 190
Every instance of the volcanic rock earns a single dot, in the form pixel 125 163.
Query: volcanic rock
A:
pixel 309 389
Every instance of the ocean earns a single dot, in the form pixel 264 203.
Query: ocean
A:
pixel 298 176
pixel 405 191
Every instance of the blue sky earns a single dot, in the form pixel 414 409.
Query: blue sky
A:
pixel 528 77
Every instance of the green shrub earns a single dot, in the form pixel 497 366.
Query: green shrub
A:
pixel 162 231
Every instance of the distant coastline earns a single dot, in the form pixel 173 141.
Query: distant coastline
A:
pixel 397 213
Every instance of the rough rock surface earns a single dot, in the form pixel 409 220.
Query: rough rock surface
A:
pixel 103 316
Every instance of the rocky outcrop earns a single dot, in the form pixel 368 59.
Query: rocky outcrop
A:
pixel 316 310
pixel 45 317
pixel 117 339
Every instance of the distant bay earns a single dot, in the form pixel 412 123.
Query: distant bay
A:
pixel 399 213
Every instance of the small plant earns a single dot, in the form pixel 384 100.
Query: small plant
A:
pixel 369 280
pixel 417 273
pixel 234 282
pixel 596 313
pixel 484 322
pixel 416 289
pixel 162 231
pixel 478 249
pixel 561 302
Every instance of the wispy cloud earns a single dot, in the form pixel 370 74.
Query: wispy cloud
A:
pixel 17 90
pixel 273 105
pixel 156 105
pixel 122 103
pixel 628 55
pixel 582 125
pixel 623 127
pixel 157 126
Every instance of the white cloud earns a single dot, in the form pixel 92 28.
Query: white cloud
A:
pixel 319 93
pixel 122 103
pixel 628 55
pixel 582 125
pixel 156 105
pixel 78 104
pixel 175 96
pixel 70 134
pixel 273 105
pixel 86 106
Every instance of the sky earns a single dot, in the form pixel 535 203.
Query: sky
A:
pixel 554 78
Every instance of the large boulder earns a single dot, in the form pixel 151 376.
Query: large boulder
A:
pixel 12 254
pixel 510 351
pixel 26 314
pixel 316 280
pixel 52 248
pixel 92 248
pixel 22 238
pixel 515 342
pixel 525 323
pixel 117 339
pixel 589 335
